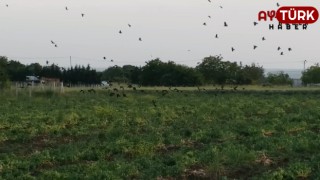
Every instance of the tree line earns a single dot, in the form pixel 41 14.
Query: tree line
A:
pixel 212 70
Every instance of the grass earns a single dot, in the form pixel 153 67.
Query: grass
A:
pixel 250 134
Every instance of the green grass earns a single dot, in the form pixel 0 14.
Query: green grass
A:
pixel 210 134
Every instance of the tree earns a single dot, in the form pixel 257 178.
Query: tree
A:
pixel 16 71
pixel 4 79
pixel 216 71
pixel 251 74
pixel 158 73
pixel 311 75
pixel 114 73
pixel 280 78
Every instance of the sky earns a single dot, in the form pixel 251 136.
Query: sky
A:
pixel 170 30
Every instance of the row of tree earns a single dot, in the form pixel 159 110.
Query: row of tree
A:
pixel 212 70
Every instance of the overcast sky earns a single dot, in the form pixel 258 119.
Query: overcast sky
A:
pixel 168 28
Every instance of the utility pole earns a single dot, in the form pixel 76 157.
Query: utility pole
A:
pixel 304 65
pixel 70 62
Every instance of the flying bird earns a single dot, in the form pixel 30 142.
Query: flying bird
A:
pixel 82 15
pixel 67 8
pixel 221 7
pixel 52 42
pixel 120 32
pixel 289 49
pixel 209 17
pixel 55 45
pixel 255 47
pixel 263 38
pixel 281 53
pixel 217 36
pixel 232 49
pixel 104 58
pixel 209 0
pixel 111 60
pixel 278 4
pixel 140 39
pixel 225 24
pixel 129 25
pixel 255 23
pixel 204 24
pixel 279 48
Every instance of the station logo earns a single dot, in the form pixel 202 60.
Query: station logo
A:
pixel 290 17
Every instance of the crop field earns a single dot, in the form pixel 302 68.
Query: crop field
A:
pixel 150 135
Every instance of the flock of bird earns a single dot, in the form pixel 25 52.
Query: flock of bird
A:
pixel 255 24
pixel 204 24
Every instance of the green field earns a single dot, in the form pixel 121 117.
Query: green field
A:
pixel 181 135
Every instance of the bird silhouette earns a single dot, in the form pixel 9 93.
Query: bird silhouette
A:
pixel 52 42
pixel 7 5
pixel 204 24
pixel 217 36
pixel 232 49
pixel 255 47
pixel 279 48
pixel 209 17
pixel 140 39
pixel 289 49
pixel 82 15
pixel 278 4
pixel 255 23
pixel 55 45
pixel 111 60
pixel 225 24
pixel 221 7
pixel 281 53
pixel 104 58
pixel 120 32
pixel 67 8
pixel 263 38
pixel 209 1
pixel 129 25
